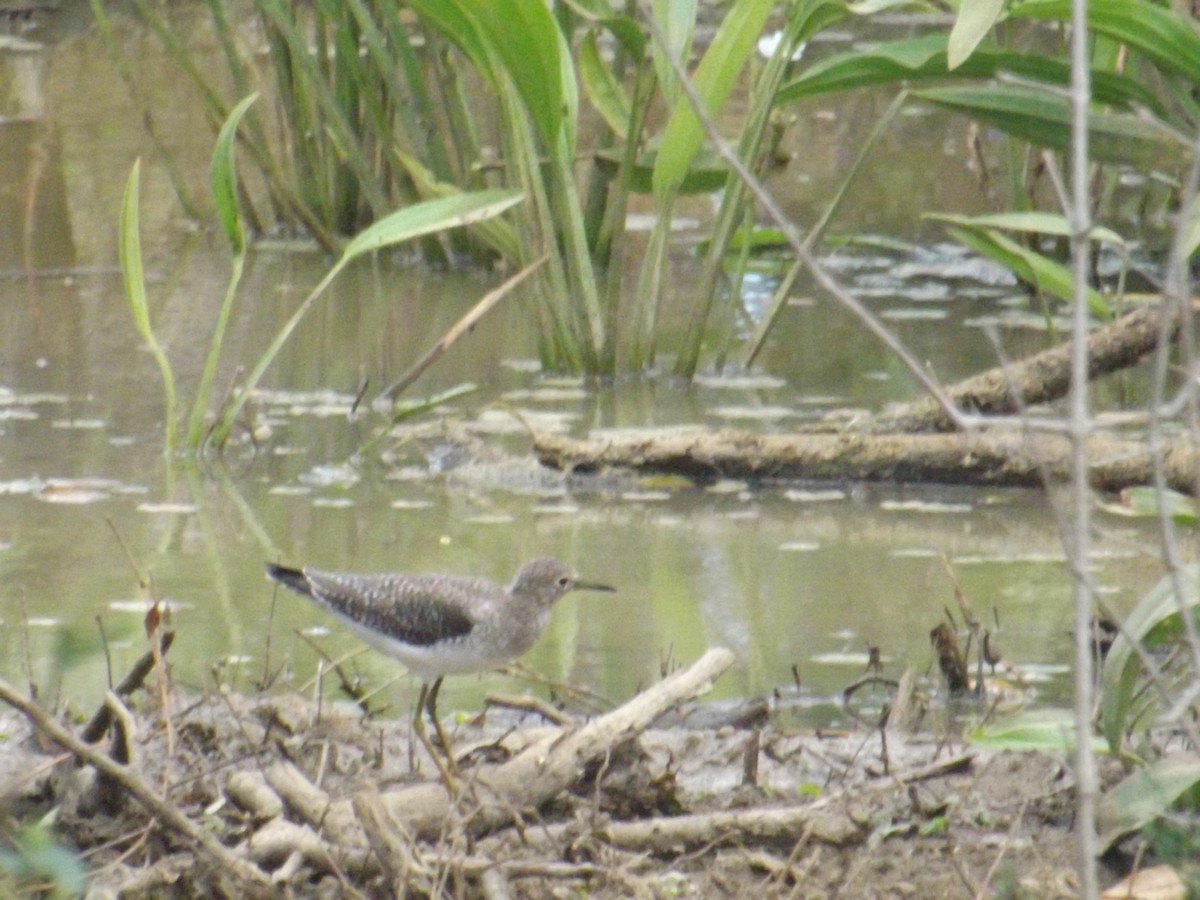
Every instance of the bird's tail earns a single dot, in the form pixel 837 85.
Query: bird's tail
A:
pixel 293 579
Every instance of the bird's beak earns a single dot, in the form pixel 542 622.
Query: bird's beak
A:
pixel 594 586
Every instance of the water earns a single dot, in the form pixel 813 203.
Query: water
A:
pixel 802 578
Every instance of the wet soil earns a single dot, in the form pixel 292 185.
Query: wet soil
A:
pixel 689 807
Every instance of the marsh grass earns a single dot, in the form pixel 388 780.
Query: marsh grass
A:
pixel 375 106
pixel 412 222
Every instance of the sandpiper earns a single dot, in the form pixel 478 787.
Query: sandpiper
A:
pixel 439 625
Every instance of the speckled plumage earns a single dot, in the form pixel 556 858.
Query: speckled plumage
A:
pixel 440 624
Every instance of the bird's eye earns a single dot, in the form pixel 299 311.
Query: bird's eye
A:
pixel 564 581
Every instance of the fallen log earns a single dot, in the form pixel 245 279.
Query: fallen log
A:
pixel 1041 378
pixel 915 442
pixel 997 458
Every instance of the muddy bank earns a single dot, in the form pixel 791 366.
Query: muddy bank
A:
pixel 227 795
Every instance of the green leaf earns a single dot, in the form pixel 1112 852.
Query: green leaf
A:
pixel 707 173
pixel 1191 226
pixel 975 19
pixel 409 408
pixel 455 22
pixel 496 233
pixel 129 250
pixel 1028 265
pixel 1154 621
pixel 627 32
pixel 924 58
pixel 936 825
pixel 1045 120
pixel 428 217
pixel 870 7
pixel 1046 223
pixel 37 856
pixel 602 87
pixel 1145 795
pixel 525 36
pixel 1167 39
pixel 521 38
pixel 677 21
pixel 714 80
pixel 413 221
pixel 223 174
pixel 1034 729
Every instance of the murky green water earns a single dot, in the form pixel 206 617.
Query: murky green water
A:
pixel 802 576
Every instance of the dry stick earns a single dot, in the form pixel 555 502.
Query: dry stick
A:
pixel 1087 782
pixel 461 327
pixel 167 814
pixel 529 705
pixel 95 728
pixel 143 582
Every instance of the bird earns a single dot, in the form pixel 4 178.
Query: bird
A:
pixel 437 624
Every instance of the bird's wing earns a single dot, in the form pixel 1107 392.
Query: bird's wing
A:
pixel 407 610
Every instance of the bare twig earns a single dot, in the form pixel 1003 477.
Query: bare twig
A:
pixel 166 813
pixel 98 724
pixel 528 704
pixel 1078 547
pixel 461 327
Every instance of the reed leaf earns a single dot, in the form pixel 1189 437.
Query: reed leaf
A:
pixel 1030 266
pixel 714 80
pixel 411 222
pixel 1167 39
pixel 1045 121
pixel 802 20
pixel 223 175
pixel 677 21
pixel 603 88
pixel 925 58
pixel 971 26
pixel 133 274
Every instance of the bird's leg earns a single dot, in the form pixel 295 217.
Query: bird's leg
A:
pixel 427 694
pixel 431 705
pixel 418 726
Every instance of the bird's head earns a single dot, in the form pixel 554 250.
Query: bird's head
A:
pixel 548 580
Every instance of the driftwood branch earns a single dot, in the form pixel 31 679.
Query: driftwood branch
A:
pixel 545 769
pixel 674 833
